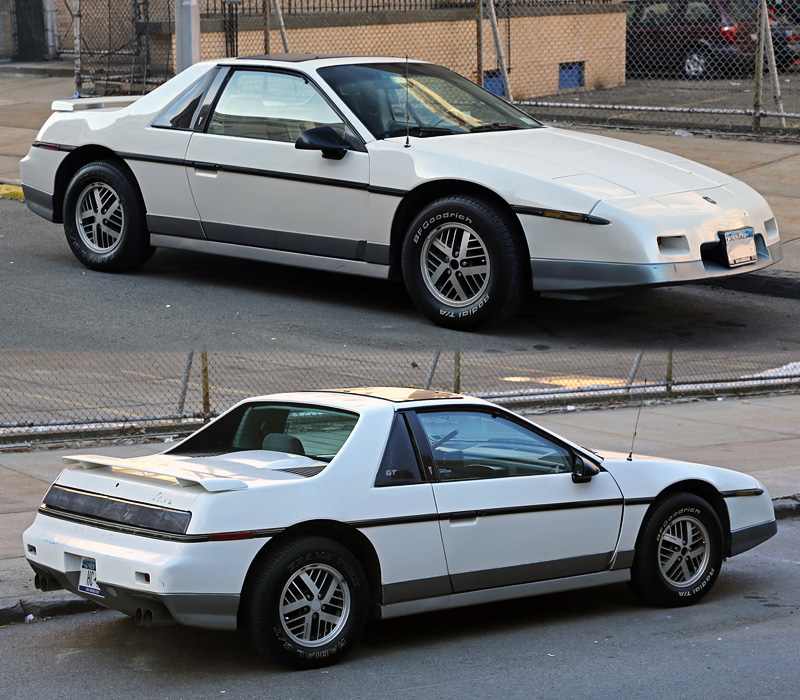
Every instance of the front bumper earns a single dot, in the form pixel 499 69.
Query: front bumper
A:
pixel 582 275
pixel 748 537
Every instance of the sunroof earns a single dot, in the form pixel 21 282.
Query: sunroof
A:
pixel 398 394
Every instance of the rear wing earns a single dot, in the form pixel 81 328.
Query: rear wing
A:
pixel 93 103
pixel 184 477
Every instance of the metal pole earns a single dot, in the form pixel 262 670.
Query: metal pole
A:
pixel 635 368
pixel 206 392
pixel 773 68
pixel 187 370
pixel 759 65
pixel 76 24
pixel 479 39
pixel 187 34
pixel 50 19
pixel 670 369
pixel 281 26
pixel 432 369
pixel 457 373
pixel 265 14
pixel 501 59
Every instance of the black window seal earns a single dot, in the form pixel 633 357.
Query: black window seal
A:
pixel 418 462
pixel 209 102
pixel 496 412
pixel 354 139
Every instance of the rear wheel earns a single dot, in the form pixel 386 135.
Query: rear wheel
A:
pixel 678 552
pixel 306 605
pixel 104 219
pixel 464 263
pixel 696 64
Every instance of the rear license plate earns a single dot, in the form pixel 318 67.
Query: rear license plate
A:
pixel 740 246
pixel 88 579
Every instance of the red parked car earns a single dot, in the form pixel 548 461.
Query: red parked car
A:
pixel 700 38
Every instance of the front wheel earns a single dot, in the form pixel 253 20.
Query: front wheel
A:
pixel 696 64
pixel 464 263
pixel 306 605
pixel 104 218
pixel 678 552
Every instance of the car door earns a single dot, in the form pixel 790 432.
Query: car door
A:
pixel 509 511
pixel 252 186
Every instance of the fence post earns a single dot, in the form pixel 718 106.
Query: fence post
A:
pixel 501 58
pixel 187 34
pixel 206 393
pixel 479 39
pixel 634 370
pixel 76 24
pixel 432 369
pixel 670 368
pixel 759 66
pixel 187 369
pixel 457 373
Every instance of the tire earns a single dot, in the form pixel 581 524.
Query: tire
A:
pixel 696 65
pixel 486 285
pixel 662 573
pixel 104 219
pixel 302 637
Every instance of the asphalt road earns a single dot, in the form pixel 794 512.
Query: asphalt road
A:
pixel 179 301
pixel 740 642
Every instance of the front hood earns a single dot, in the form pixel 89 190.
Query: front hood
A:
pixel 595 165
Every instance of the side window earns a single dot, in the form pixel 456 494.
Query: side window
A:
pixel 270 106
pixel 399 464
pixel 478 445
pixel 655 13
pixel 180 113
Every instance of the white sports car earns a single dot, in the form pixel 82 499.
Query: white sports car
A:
pixel 297 516
pixel 385 168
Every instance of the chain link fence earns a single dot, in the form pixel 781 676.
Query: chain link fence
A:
pixel 46 395
pixel 725 65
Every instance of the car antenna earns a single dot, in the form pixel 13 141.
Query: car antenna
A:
pixel 408 141
pixel 636 426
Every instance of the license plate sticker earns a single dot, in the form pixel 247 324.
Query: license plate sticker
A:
pixel 740 246
pixel 88 579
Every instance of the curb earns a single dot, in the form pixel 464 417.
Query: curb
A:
pixel 11 192
pixel 39 608
pixel 65 603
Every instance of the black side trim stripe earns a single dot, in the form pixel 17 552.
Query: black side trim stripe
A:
pixel 741 492
pixel 529 573
pixel 416 589
pixel 464 514
pixel 639 501
pixel 151 159
pixel 156 534
pixel 562 215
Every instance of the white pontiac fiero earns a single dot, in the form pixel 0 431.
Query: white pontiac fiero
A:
pixel 384 168
pixel 297 516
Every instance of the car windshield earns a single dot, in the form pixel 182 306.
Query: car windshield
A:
pixel 312 431
pixel 392 99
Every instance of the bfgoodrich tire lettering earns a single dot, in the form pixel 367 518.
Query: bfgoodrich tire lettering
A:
pixel 678 552
pixel 464 263
pixel 306 604
pixel 104 218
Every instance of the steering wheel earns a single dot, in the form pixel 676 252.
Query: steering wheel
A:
pixel 444 439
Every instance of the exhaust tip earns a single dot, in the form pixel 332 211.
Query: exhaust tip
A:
pixel 138 618
pixel 148 618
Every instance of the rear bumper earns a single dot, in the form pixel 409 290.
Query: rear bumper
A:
pixel 212 611
pixel 580 275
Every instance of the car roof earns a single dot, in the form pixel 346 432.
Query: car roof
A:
pixel 310 60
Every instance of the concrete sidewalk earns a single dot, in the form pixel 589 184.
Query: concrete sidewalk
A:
pixel 759 436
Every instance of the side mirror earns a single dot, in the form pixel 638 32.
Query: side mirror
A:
pixel 582 471
pixel 325 139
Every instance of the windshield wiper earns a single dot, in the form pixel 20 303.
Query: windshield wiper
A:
pixel 494 126
pixel 420 131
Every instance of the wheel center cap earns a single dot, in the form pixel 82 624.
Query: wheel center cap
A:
pixel 454 264
pixel 316 605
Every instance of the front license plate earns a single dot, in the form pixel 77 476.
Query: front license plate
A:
pixel 740 246
pixel 88 579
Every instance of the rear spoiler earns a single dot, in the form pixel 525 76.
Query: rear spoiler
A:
pixel 93 103
pixel 184 477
